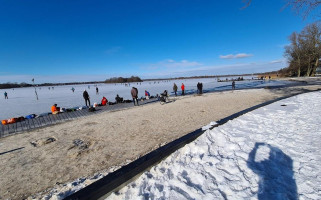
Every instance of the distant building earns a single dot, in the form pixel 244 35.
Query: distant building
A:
pixel 318 71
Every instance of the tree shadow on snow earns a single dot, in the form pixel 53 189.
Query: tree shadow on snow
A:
pixel 276 179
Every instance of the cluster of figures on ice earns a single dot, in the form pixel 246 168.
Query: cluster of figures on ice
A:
pixel 163 98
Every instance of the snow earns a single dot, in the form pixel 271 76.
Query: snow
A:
pixel 22 101
pixel 270 153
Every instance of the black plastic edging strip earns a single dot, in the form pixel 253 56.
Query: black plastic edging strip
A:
pixel 111 182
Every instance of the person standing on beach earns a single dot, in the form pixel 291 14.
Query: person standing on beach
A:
pixel 97 92
pixel 175 89
pixel 134 93
pixel 233 85
pixel 198 88
pixel 183 89
pixel 5 95
pixel 86 97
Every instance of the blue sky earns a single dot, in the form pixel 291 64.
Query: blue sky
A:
pixel 77 40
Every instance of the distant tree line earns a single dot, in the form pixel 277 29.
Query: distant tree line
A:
pixel 123 80
pixel 14 85
pixel 195 77
pixel 23 84
pixel 304 51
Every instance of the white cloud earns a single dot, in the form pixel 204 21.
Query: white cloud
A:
pixel 229 56
pixel 232 56
pixel 171 64
pixel 278 61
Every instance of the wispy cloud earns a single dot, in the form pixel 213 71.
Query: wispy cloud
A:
pixel 278 61
pixel 282 46
pixel 171 64
pixel 113 50
pixel 239 68
pixel 235 56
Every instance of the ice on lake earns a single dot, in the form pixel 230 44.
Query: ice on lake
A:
pixel 22 101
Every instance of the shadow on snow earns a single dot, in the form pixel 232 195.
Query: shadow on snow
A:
pixel 276 179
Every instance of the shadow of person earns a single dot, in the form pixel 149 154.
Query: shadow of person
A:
pixel 276 179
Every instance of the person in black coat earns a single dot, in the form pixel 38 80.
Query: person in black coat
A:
pixel 86 97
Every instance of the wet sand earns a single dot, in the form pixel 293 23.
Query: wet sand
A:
pixel 83 147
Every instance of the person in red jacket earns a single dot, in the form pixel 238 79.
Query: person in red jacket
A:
pixel 104 101
pixel 183 89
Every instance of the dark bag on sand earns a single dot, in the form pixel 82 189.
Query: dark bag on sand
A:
pixel 20 119
pixel 91 109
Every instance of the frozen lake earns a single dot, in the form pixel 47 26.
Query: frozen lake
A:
pixel 22 101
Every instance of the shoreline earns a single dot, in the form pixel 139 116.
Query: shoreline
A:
pixel 114 138
pixel 13 108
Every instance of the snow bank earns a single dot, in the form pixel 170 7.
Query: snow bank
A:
pixel 269 153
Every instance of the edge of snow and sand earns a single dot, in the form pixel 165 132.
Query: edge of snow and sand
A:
pixel 112 139
pixel 269 153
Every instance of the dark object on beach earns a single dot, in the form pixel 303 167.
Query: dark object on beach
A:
pixel 112 103
pixel 19 119
pixel 43 141
pixel 163 98
pixel 283 105
pixel 91 109
pixel 128 101
pixel 119 99
pixel 80 144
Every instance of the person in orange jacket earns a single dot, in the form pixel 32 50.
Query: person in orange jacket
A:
pixel 183 89
pixel 55 109
pixel 104 101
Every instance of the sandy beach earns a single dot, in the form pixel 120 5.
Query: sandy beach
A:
pixel 83 147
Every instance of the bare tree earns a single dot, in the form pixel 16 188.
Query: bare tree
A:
pixel 304 7
pixel 294 52
pixel 304 52
pixel 311 39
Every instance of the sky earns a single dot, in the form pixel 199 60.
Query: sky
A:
pixel 82 40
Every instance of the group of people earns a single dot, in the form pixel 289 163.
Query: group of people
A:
pixel 134 94
pixel 182 87
pixel 199 88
